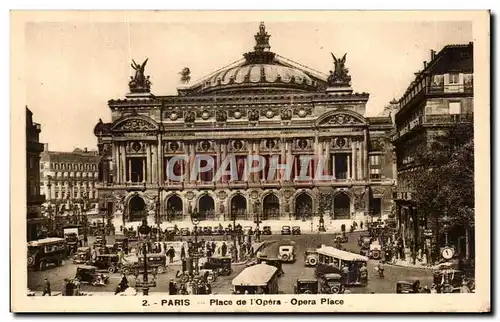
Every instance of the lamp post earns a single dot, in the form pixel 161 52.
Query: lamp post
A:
pixel 257 218
pixel 145 230
pixel 445 220
pixel 157 216
pixel 195 220
pixel 233 215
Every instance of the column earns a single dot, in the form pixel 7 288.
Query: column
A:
pixel 282 160
pixel 353 159
pixel 250 151
pixel 148 178
pixel 319 157
pixel 327 157
pixel 116 165
pixel 218 156
pixel 154 164
pixel 123 164
pixel 365 157
pixel 144 170
pixel 362 160
pixel 333 167
pixel 129 170
pixel 349 166
pixel 256 149
pixel 289 155
pixel 160 166
pixel 223 148
pixel 186 161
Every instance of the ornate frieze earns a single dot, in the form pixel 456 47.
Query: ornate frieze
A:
pixel 134 125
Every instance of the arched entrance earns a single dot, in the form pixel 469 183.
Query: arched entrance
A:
pixel 303 206
pixel 174 208
pixel 270 207
pixel 341 206
pixel 137 209
pixel 239 207
pixel 206 207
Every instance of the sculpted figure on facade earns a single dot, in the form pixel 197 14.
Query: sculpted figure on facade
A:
pixel 139 83
pixel 185 75
pixel 340 74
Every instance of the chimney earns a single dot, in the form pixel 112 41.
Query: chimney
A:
pixel 425 64
pixel 46 147
pixel 433 54
pixel 85 150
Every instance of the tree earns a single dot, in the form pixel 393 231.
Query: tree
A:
pixel 443 182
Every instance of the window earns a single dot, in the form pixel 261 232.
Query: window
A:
pixel 375 173
pixel 455 108
pixel 375 159
pixel 454 78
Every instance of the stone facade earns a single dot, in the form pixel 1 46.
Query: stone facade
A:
pixel 265 105
pixel 69 178
pixel 35 221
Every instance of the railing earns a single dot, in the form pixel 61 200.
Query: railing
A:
pixel 448 118
pixel 450 88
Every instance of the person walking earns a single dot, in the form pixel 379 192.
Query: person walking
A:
pixel 46 287
pixel 183 253
pixel 123 283
pixel 223 249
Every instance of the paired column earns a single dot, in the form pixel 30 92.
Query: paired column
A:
pixel 353 159
pixel 365 156
pixel 147 169
pixel 154 164
pixel 327 157
pixel 282 160
pixel 123 165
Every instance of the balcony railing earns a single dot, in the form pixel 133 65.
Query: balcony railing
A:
pixel 448 118
pixel 450 88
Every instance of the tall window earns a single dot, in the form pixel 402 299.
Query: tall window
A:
pixel 375 166
pixel 455 108
pixel 454 79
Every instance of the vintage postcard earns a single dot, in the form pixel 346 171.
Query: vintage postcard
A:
pixel 250 161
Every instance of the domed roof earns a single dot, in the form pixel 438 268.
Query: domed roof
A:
pixel 260 70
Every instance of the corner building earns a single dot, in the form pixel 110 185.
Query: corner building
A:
pixel 264 105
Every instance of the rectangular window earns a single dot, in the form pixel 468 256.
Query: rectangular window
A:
pixel 455 108
pixel 374 159
pixel 375 173
pixel 454 79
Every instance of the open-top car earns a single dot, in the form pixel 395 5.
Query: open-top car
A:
pixel 88 274
pixel 286 230
pixel 296 230
pixel 266 230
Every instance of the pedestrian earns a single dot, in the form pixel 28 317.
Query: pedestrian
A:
pixel 209 252
pixel 171 287
pixel 214 247
pixel 223 249
pixel 69 288
pixel 85 240
pixel 46 287
pixel 363 273
pixel 345 273
pixel 183 253
pixel 171 254
pixel 123 283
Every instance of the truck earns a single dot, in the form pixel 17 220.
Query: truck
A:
pixel 73 236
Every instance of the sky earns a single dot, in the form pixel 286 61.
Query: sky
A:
pixel 73 69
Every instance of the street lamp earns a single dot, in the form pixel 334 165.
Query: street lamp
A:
pixel 445 220
pixel 145 230
pixel 195 220
pixel 257 218
pixel 233 215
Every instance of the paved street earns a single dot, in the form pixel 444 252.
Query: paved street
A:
pixel 292 271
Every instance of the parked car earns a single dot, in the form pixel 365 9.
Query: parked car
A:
pixel 285 230
pixel 185 232
pixel 266 230
pixel 296 230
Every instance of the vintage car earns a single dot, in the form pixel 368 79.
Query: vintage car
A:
pixel 221 265
pixel 364 241
pixel 375 250
pixel 286 253
pixel 306 286
pixel 408 287
pixel 273 261
pixel 296 230
pixel 121 242
pixel 207 231
pixel 266 230
pixel 257 279
pixel 107 262
pixel 82 255
pixel 311 257
pixel 331 284
pixel 156 262
pixel 286 230
pixel 216 231
pixel 185 232
pixel 340 238
pixel 87 274
pixel 43 252
pixel 132 235
pixel 100 241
